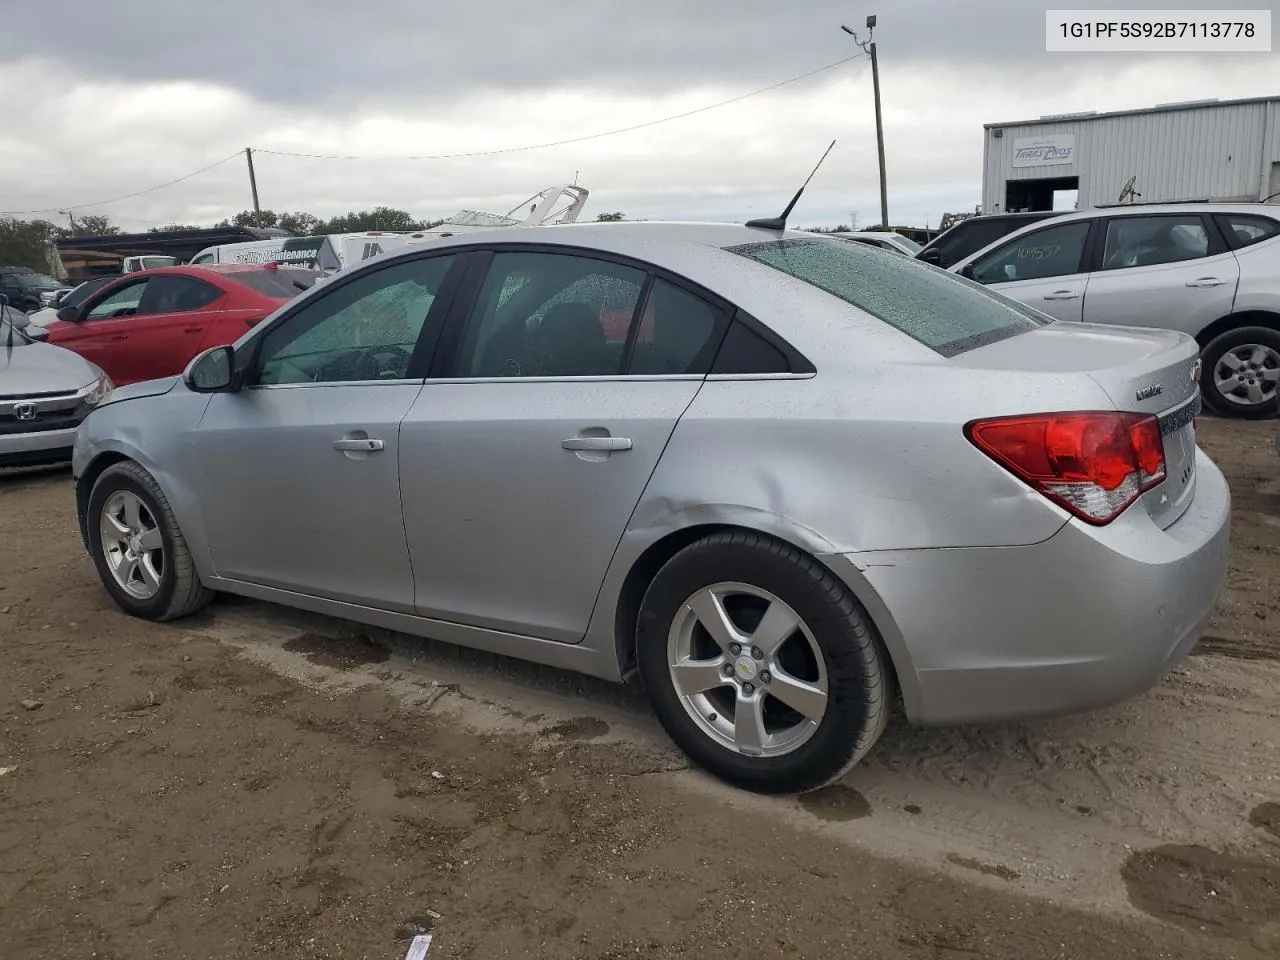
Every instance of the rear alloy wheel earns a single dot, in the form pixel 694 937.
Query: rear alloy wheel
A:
pixel 141 555
pixel 761 665
pixel 1242 373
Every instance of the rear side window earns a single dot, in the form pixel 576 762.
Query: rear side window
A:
pixel 1245 229
pixel 284 282
pixel 941 310
pixel 1151 241
pixel 678 333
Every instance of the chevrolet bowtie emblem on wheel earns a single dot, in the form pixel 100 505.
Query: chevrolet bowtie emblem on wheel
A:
pixel 24 411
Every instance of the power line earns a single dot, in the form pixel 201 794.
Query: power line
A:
pixel 63 207
pixel 561 143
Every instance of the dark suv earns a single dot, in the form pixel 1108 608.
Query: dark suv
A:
pixel 971 235
pixel 22 286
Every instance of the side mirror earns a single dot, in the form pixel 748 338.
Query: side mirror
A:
pixel 69 314
pixel 931 255
pixel 211 371
pixel 967 272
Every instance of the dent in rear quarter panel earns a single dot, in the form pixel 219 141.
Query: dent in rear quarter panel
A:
pixel 835 464
pixel 157 432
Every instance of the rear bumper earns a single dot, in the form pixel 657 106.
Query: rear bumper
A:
pixel 49 446
pixel 1087 618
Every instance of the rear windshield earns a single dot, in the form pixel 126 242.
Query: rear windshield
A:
pixel 945 312
pixel 283 282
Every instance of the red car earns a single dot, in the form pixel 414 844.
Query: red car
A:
pixel 150 324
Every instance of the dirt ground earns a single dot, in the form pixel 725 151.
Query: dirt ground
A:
pixel 255 782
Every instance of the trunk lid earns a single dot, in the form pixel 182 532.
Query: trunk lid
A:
pixel 1141 370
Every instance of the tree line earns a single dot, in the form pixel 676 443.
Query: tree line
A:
pixel 25 243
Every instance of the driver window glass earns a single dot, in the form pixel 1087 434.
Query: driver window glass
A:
pixel 1149 241
pixel 1051 252
pixel 363 330
pixel 123 303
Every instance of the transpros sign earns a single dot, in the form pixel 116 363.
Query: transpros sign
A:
pixel 1044 151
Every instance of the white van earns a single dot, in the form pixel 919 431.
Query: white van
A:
pixel 329 253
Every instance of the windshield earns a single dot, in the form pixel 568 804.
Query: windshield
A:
pixel 150 262
pixel 11 328
pixel 282 282
pixel 945 312
pixel 84 291
pixel 36 281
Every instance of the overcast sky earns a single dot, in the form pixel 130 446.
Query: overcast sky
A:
pixel 105 99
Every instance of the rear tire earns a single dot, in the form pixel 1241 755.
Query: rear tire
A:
pixel 1236 362
pixel 759 586
pixel 142 558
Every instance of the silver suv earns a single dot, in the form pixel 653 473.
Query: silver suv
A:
pixel 1208 269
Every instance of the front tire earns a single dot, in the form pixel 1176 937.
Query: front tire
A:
pixel 1241 373
pixel 761 665
pixel 142 558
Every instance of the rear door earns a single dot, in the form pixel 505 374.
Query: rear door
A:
pixel 1045 268
pixel 525 455
pixel 1161 270
pixel 170 325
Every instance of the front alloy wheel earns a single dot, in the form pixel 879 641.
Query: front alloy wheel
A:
pixel 132 545
pixel 136 544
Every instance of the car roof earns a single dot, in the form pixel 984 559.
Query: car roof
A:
pixel 816 322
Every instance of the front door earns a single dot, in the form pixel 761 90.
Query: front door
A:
pixel 1168 270
pixel 1044 269
pixel 521 466
pixel 103 335
pixel 298 474
pixel 169 326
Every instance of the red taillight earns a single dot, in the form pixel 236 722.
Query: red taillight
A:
pixel 1094 464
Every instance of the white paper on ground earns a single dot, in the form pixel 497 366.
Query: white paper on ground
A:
pixel 418 948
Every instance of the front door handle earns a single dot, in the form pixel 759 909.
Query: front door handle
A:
pixel 192 329
pixel 608 444
pixel 1062 295
pixel 361 444
pixel 1206 282
pixel 118 336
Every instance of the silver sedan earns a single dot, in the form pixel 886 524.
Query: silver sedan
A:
pixel 783 480
pixel 45 392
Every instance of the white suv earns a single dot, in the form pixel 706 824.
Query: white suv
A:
pixel 1208 269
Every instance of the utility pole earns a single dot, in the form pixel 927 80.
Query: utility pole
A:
pixel 253 185
pixel 869 47
pixel 70 216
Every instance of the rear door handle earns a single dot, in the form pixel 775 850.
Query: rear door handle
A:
pixel 119 336
pixel 192 329
pixel 1206 282
pixel 363 444
pixel 1062 295
pixel 597 443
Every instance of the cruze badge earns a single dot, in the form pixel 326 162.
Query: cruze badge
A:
pixel 1146 393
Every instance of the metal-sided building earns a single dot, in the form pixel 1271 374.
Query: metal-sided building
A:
pixel 1225 150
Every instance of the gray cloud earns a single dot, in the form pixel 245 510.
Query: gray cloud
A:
pixel 120 97
pixel 350 55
